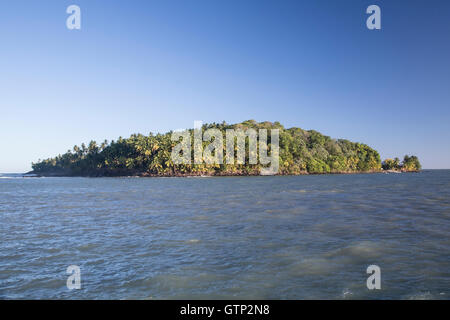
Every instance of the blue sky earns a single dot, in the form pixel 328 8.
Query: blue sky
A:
pixel 141 66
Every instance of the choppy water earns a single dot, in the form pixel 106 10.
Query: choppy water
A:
pixel 237 237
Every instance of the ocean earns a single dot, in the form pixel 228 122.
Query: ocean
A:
pixel 279 237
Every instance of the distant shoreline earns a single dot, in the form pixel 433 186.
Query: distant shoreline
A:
pixel 201 152
pixel 32 174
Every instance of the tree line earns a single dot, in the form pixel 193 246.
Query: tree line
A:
pixel 300 152
pixel 409 163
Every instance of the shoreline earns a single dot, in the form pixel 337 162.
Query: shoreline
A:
pixel 32 174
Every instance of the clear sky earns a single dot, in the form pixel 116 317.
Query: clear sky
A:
pixel 141 66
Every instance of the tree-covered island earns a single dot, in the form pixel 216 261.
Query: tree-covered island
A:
pixel 409 164
pixel 300 152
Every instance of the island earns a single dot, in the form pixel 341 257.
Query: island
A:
pixel 299 152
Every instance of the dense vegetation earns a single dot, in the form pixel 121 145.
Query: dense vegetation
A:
pixel 410 163
pixel 300 152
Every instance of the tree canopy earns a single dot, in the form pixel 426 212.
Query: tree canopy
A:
pixel 300 152
pixel 409 163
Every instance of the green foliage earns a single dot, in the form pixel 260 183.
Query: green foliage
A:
pixel 410 163
pixel 391 164
pixel 317 166
pixel 300 152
